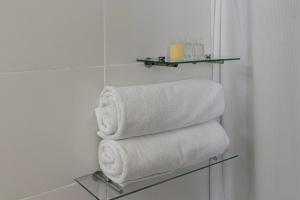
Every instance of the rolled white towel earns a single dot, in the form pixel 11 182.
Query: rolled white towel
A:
pixel 138 158
pixel 125 112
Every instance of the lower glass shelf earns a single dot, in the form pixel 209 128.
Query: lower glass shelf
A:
pixel 103 189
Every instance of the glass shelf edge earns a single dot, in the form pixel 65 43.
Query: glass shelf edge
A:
pixel 154 61
pixel 89 183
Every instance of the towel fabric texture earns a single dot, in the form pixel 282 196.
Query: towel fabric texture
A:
pixel 125 112
pixel 135 159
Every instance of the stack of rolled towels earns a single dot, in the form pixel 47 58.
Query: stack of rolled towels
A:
pixel 152 130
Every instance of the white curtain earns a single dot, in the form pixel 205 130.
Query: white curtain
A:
pixel 262 95
pixel 230 37
pixel 275 45
pixel 216 172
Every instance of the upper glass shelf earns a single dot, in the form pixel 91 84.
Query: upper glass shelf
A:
pixel 160 61
pixel 103 189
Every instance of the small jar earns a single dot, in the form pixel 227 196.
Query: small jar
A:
pixel 176 51
pixel 198 50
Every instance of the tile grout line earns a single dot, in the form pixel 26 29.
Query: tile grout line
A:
pixel 66 68
pixel 49 191
pixel 125 64
pixel 51 69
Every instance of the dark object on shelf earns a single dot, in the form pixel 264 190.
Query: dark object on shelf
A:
pixel 162 58
pixel 208 56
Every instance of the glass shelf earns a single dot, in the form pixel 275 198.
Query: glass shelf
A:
pixel 103 189
pixel 170 63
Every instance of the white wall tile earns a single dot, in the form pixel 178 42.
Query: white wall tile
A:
pixel 48 129
pixel 57 33
pixel 137 28
pixel 138 74
pixel 72 192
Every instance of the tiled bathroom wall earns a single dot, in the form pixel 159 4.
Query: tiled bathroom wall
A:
pixel 55 57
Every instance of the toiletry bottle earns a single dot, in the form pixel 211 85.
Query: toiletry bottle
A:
pixel 188 50
pixel 198 50
pixel 176 51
